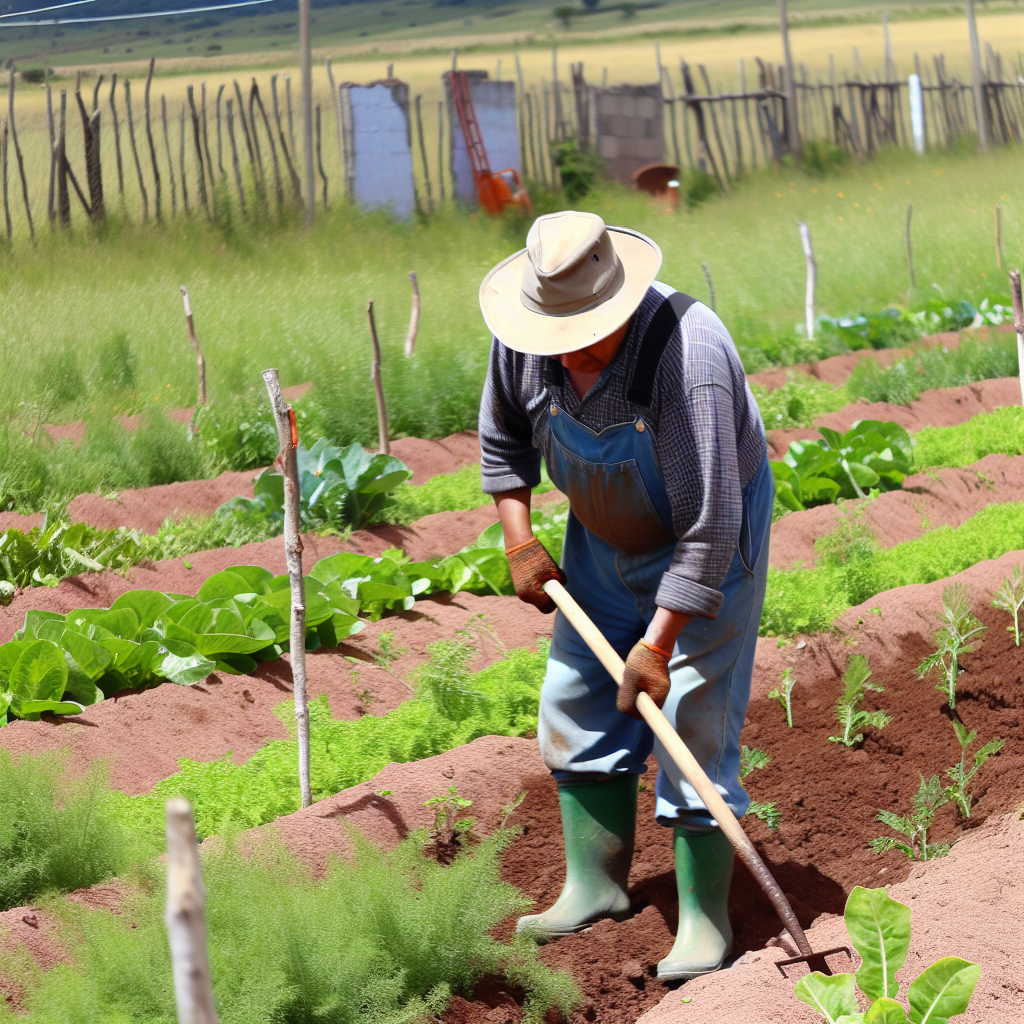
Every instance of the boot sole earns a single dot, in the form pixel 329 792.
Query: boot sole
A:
pixel 541 934
pixel 683 974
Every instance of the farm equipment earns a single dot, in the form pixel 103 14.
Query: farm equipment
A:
pixel 696 777
pixel 494 189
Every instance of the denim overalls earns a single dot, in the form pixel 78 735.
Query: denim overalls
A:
pixel 618 543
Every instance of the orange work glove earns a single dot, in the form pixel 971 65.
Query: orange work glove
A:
pixel 532 567
pixel 646 670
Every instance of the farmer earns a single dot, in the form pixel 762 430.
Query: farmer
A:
pixel 635 397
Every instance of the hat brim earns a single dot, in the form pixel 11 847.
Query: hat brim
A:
pixel 524 330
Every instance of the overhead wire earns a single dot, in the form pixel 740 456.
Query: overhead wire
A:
pixel 127 17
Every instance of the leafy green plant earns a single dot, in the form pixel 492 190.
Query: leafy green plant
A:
pixel 340 488
pixel 450 832
pixel 578 169
pixel 959 634
pixel 392 934
pixel 959 775
pixel 999 431
pixel 870 455
pixel 1010 598
pixel 798 402
pixel 879 929
pixel 33 680
pixel 769 813
pixel 785 695
pixel 930 796
pixel 888 328
pixel 56 833
pixel 46 554
pixel 852 717
pixel 750 761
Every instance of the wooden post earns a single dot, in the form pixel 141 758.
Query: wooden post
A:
pixel 17 154
pixel 254 129
pixel 521 97
pixel 51 134
pixel 152 148
pixel 414 316
pixel 714 127
pixel 378 385
pixel 977 79
pixel 910 247
pixel 278 189
pixel 200 361
pixel 292 175
pixel 181 162
pixel 245 129
pixel 319 156
pixel 529 135
pixel 440 151
pixel 792 128
pixel 711 284
pixel 6 189
pixel 206 149
pixel 170 161
pixel 220 148
pixel 306 66
pixel 291 119
pixel 234 158
pixel 1018 324
pixel 999 235
pixel 666 79
pixel 812 273
pixel 92 175
pixel 63 199
pixel 287 459
pixel 890 68
pixel 423 154
pixel 336 97
pixel 117 132
pixel 186 917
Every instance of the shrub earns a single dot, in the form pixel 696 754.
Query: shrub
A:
pixel 56 835
pixel 391 934
pixel 886 329
pixel 697 186
pixel 579 170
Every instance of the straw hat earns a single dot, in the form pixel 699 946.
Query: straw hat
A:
pixel 576 282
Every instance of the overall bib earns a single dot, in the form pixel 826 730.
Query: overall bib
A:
pixel 619 541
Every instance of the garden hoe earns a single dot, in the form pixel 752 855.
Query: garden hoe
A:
pixel 694 774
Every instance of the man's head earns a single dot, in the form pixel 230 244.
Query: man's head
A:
pixel 576 284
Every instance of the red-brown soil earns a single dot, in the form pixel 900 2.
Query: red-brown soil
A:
pixel 940 407
pixel 945 497
pixel 144 735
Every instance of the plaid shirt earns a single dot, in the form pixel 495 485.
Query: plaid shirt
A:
pixel 707 432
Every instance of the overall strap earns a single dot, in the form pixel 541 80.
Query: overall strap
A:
pixel 661 328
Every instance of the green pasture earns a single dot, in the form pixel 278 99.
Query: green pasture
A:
pixel 93 326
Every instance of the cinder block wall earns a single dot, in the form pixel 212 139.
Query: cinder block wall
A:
pixel 627 127
pixel 382 147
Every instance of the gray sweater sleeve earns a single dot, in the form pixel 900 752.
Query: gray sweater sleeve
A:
pixel 508 458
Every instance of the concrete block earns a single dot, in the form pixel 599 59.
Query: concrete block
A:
pixel 646 107
pixel 627 105
pixel 607 147
pixel 607 103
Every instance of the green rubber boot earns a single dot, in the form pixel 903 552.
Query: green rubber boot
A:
pixel 599 826
pixel 703 874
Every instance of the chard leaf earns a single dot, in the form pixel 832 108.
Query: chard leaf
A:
pixel 148 605
pixel 40 672
pixel 879 929
pixel 942 990
pixel 831 995
pixel 32 709
pixel 186 669
pixel 885 1011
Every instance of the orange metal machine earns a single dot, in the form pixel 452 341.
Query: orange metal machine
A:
pixel 494 189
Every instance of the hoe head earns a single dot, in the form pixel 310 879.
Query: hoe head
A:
pixel 814 961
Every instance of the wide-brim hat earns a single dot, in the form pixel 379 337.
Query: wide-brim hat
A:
pixel 576 282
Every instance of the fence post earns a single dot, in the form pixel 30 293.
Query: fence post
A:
pixel 378 385
pixel 1018 324
pixel 910 247
pixel 812 273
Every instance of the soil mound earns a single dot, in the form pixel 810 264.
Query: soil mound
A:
pixel 939 407
pixel 427 459
pixel 945 497
pixel 144 735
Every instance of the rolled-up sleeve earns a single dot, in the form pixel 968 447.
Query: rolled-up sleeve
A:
pixel 508 458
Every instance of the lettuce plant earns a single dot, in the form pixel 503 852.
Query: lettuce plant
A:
pixel 871 455
pixel 850 715
pixel 879 929
pixel 959 775
pixel 960 633
pixel 930 796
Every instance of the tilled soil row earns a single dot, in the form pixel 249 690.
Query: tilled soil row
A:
pixel 828 796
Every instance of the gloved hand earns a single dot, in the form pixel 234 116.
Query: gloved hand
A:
pixel 646 670
pixel 532 567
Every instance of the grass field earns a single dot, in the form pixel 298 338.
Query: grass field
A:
pixel 71 309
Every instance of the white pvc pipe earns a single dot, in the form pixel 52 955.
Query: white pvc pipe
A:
pixel 812 273
pixel 917 112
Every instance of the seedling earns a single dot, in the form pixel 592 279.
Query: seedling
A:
pixel 784 696
pixel 959 634
pixel 509 809
pixel 879 930
pixel 1010 598
pixel 768 813
pixel 752 760
pixel 930 796
pixel 960 775
pixel 850 716
pixel 450 832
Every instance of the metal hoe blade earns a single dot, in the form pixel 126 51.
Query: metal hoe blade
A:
pixel 814 961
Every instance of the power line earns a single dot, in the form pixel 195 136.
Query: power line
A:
pixel 39 10
pixel 130 17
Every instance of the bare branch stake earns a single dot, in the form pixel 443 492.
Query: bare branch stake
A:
pixel 910 246
pixel 200 361
pixel 186 917
pixel 288 438
pixel 378 385
pixel 414 317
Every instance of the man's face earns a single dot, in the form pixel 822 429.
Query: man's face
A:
pixel 596 357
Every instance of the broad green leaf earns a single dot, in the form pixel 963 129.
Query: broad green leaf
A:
pixel 226 584
pixel 850 1018
pixel 89 657
pixel 833 438
pixel 6 698
pixel 270 486
pixel 342 566
pixel 32 709
pixel 40 673
pixel 942 990
pixel 34 620
pixel 494 536
pixel 885 1011
pixel 214 645
pixel 121 622
pixel 236 664
pixel 256 576
pixel 831 995
pixel 198 619
pixel 185 669
pixel 787 496
pixel 879 929
pixel 865 477
pixel 148 605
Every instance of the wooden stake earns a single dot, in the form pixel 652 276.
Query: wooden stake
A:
pixel 292 175
pixel 1018 324
pixel 181 162
pixel 90 146
pixel 117 133
pixel 170 161
pixel 220 148
pixel 812 273
pixel 711 284
pixel 977 81
pixel 63 199
pixel 792 128
pixel 17 155
pixel 206 149
pixel 51 134
pixel 200 361
pixel 910 247
pixel 378 385
pixel 234 158
pixel 319 156
pixel 152 148
pixel 336 97
pixel 423 155
pixel 186 917
pixel 287 459
pixel 306 68
pixel 999 235
pixel 291 119
pixel 414 316
pixel 278 189
pixel 7 200
pixel 440 151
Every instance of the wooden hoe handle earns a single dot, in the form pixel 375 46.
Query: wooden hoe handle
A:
pixel 685 761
